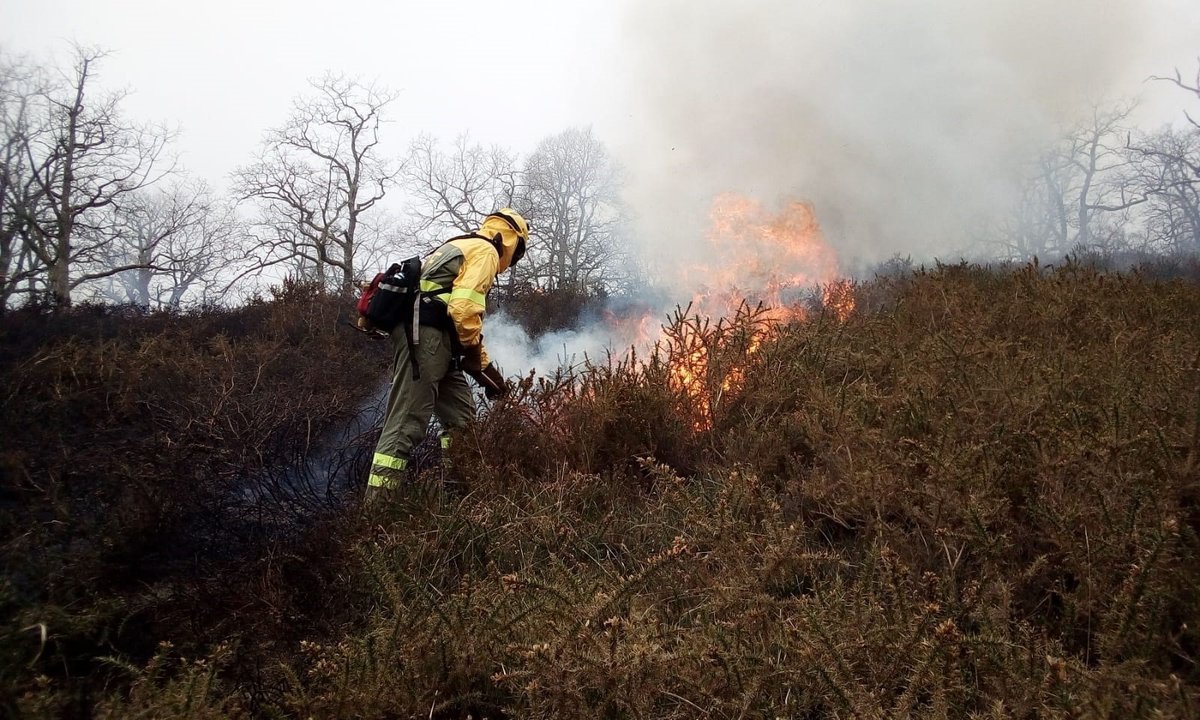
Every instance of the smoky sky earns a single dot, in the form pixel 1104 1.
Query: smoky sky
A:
pixel 902 121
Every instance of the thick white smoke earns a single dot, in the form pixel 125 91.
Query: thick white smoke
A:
pixel 902 121
pixel 906 123
pixel 515 352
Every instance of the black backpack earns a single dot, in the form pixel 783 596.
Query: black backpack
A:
pixel 390 301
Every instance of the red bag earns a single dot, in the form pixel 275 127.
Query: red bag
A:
pixel 364 301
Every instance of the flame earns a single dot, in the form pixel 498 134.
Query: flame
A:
pixel 752 257
pixel 635 327
pixel 755 263
pixel 837 296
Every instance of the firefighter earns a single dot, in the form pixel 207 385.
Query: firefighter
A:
pixel 455 280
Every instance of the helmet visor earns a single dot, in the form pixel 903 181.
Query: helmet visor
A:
pixel 519 251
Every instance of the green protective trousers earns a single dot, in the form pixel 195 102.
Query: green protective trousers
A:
pixel 441 389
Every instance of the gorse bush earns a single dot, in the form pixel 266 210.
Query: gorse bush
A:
pixel 973 496
pixel 969 496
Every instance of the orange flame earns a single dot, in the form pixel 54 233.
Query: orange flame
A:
pixel 752 257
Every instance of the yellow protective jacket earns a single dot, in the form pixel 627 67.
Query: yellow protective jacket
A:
pixel 466 266
pixel 462 270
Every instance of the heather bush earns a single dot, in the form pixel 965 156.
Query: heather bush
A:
pixel 539 311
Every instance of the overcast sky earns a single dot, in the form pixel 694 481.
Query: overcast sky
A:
pixel 897 118
pixel 225 70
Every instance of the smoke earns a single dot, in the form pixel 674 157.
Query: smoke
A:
pixel 515 352
pixel 903 123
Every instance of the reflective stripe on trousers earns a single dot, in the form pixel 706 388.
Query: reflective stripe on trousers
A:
pixel 441 389
pixel 386 471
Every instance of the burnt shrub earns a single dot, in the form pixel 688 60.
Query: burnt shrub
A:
pixel 133 446
pixel 604 419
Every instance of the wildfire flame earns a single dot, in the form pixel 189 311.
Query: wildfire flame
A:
pixel 752 257
pixel 756 270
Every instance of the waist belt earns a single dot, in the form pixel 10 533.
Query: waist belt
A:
pixel 436 314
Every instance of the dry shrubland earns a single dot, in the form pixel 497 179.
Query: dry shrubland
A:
pixel 977 495
pixel 151 467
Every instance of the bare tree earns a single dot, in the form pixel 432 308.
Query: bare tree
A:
pixel 1193 88
pixel 1173 217
pixel 81 157
pixel 1040 220
pixel 19 83
pixel 1102 166
pixel 180 237
pixel 1169 172
pixel 1079 193
pixel 318 175
pixel 453 191
pixel 571 195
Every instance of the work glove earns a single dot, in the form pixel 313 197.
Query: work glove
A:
pixel 472 359
pixel 491 380
pixel 495 387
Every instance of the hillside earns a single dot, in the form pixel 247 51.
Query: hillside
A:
pixel 975 495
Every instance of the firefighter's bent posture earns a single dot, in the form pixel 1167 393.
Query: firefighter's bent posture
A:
pixel 455 280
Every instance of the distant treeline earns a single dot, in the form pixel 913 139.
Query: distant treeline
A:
pixel 92 205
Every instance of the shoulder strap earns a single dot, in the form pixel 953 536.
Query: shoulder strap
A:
pixel 468 236
pixel 485 238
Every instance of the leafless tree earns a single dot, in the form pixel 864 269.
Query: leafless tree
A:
pixel 181 238
pixel 318 175
pixel 19 83
pixel 391 238
pixel 453 191
pixel 1169 172
pixel 1172 176
pixel 1105 184
pixel 570 192
pixel 81 157
pixel 1079 193
pixel 1192 87
pixel 1040 220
